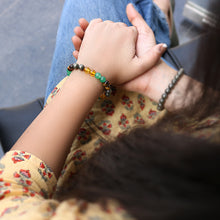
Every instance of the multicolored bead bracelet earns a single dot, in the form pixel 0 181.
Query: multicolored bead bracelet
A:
pixel 106 84
pixel 164 96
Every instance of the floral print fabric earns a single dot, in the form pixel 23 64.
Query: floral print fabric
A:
pixel 28 185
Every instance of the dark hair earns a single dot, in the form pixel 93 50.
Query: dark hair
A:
pixel 158 175
pixel 171 177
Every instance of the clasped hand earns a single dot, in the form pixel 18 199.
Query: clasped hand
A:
pixel 112 49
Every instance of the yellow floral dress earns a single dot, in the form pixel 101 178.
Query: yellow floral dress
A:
pixel 28 185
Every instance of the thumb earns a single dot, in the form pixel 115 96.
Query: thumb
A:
pixel 136 19
pixel 150 58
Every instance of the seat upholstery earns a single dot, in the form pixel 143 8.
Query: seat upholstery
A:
pixel 14 120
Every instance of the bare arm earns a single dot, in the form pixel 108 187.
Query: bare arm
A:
pixel 107 47
pixel 51 134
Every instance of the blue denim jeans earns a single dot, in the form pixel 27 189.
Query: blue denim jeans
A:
pixel 107 10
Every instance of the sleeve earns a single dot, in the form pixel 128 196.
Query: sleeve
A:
pixel 24 178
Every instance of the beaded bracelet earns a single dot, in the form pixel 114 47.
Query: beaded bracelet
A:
pixel 164 96
pixel 106 84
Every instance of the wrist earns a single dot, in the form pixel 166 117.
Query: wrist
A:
pixel 107 87
pixel 185 93
pixel 87 82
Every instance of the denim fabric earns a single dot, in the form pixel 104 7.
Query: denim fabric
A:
pixel 107 10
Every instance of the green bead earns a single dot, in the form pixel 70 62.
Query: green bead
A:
pixel 98 75
pixel 68 72
pixel 102 79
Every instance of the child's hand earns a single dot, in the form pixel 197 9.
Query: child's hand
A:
pixel 110 48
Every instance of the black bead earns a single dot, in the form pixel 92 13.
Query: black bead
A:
pixel 159 108
pixel 164 96
pixel 167 90
pixel 174 81
pixel 108 93
pixel 70 67
pixel 171 85
pixel 76 66
pixel 81 67
pixel 106 83
pixel 180 73
pixel 161 101
pixel 176 77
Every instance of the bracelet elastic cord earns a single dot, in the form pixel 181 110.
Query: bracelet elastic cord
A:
pixel 106 84
pixel 164 96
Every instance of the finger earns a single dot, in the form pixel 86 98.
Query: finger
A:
pixel 122 24
pixel 134 34
pixel 79 32
pixel 134 29
pixel 135 85
pixel 94 22
pixel 109 21
pixel 76 54
pixel 76 42
pixel 83 23
pixel 150 58
pixel 137 20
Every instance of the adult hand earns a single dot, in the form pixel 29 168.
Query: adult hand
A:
pixel 145 41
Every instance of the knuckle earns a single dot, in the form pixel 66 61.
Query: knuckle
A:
pixel 148 30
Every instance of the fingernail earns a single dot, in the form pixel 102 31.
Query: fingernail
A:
pixel 162 47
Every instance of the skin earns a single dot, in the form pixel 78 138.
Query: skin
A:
pixel 153 82
pixel 133 62
pixel 51 134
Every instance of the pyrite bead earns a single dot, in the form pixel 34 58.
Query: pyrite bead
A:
pixel 81 67
pixel 76 66
pixel 170 85
pixel 174 81
pixel 108 93
pixel 164 96
pixel 71 67
pixel 167 90
pixel 162 100
pixel 160 108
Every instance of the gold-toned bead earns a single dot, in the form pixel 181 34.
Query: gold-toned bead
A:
pixel 107 88
pixel 92 73
pixel 87 70
pixel 106 83
pixel 102 96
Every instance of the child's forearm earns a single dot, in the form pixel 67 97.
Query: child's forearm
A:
pixel 51 134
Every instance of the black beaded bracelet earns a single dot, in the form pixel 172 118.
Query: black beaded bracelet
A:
pixel 106 84
pixel 164 96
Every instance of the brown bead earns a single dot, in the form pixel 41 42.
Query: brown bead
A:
pixel 106 83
